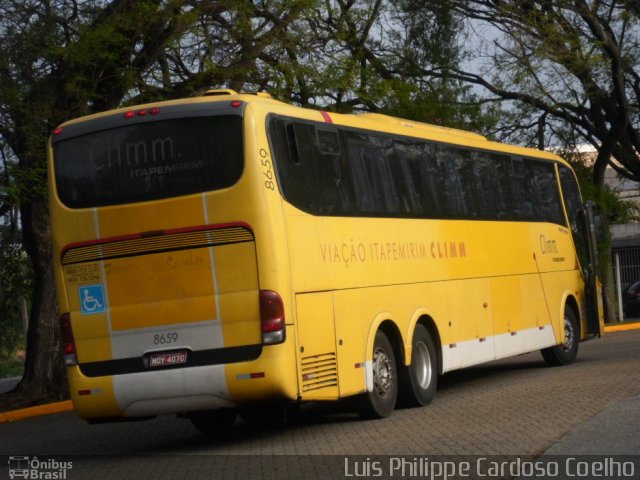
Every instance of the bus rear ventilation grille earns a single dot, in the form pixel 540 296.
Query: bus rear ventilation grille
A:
pixel 319 371
pixel 146 245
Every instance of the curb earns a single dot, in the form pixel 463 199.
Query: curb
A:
pixel 21 414
pixel 622 327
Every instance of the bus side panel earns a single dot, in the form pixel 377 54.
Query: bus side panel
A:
pixel 272 376
pixel 468 304
pixel 351 327
pixel 508 315
pixel 556 262
pixel 557 284
pixel 521 320
pixel 318 365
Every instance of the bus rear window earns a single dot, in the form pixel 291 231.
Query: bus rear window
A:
pixel 149 161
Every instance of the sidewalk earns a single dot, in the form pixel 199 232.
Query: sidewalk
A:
pixel 614 431
pixel 627 324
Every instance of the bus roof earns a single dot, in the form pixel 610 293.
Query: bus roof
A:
pixel 372 121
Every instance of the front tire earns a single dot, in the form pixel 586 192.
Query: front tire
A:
pixel 568 351
pixel 418 381
pixel 380 402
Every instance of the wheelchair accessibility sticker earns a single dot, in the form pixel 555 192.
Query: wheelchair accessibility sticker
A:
pixel 92 299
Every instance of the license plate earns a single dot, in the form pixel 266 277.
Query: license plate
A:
pixel 167 358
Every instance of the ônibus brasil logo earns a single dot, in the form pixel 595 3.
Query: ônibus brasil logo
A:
pixel 35 469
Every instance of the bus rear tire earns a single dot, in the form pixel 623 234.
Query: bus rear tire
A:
pixel 213 422
pixel 419 380
pixel 381 401
pixel 568 351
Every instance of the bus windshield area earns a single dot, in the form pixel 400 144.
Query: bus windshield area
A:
pixel 149 161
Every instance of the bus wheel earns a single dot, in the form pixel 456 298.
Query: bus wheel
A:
pixel 380 402
pixel 418 381
pixel 568 351
pixel 213 421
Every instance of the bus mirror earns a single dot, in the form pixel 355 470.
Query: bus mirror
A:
pixel 599 224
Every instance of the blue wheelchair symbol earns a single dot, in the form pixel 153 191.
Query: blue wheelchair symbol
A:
pixel 92 299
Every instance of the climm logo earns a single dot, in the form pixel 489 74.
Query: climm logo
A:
pixel 548 246
pixel 448 249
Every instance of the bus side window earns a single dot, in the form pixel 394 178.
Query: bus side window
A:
pixel 372 179
pixel 471 183
pixel 489 184
pixel 383 161
pixel 406 170
pixel 432 176
pixel 333 173
pixel 450 164
pixel 295 164
pixel 571 193
pixel 497 176
pixel 547 195
pixel 521 190
pixel 575 208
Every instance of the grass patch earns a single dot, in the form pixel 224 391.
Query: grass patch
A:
pixel 11 368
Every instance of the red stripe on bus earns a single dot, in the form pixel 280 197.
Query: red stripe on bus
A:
pixel 153 233
pixel 326 116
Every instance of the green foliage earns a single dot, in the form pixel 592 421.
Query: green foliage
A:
pixel 10 367
pixel 446 105
pixel 560 66
pixel 15 289
pixel 61 60
pixel 616 210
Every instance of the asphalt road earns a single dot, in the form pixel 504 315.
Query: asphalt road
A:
pixel 516 406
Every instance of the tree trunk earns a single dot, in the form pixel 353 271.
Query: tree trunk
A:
pixel 44 375
pixel 600 165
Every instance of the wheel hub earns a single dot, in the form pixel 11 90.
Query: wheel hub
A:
pixel 569 335
pixel 423 365
pixel 382 372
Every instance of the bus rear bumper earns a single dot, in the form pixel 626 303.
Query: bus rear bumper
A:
pixel 179 390
pixel 149 393
pixel 171 391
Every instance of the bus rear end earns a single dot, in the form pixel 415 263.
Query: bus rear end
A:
pixel 155 217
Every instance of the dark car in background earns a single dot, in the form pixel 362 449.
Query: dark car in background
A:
pixel 631 300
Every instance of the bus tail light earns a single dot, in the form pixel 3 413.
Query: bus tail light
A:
pixel 272 318
pixel 68 343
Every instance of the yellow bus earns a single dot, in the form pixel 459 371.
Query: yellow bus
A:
pixel 229 251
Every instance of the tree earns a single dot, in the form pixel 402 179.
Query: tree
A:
pixel 61 61
pixel 380 56
pixel 70 58
pixel 570 66
pixel 15 276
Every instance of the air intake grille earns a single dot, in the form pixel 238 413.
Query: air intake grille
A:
pixel 160 242
pixel 319 371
